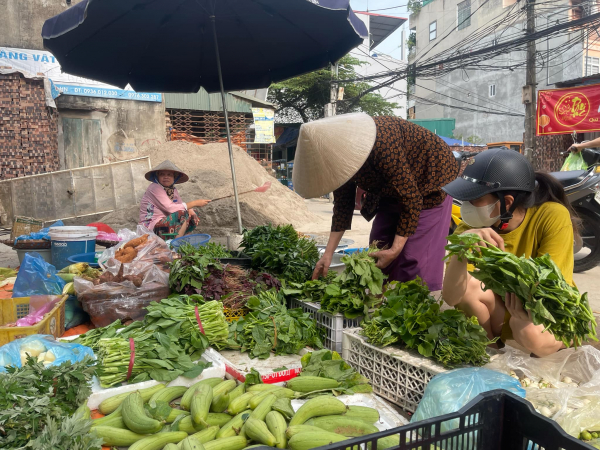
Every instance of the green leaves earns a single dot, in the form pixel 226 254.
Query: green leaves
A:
pixel 35 397
pixel 412 317
pixel 280 252
pixel 537 282
pixel 193 267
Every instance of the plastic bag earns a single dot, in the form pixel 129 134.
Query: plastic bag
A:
pixel 42 234
pixel 574 161
pixel 110 301
pixel 74 313
pixel 37 277
pixel 104 236
pixel 155 250
pixel 39 306
pixel 450 391
pixel 40 344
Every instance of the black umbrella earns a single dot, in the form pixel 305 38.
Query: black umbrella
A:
pixel 182 45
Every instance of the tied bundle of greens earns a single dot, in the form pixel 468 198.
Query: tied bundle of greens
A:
pixel 329 364
pixel 412 317
pixel 352 293
pixel 35 397
pixel 281 252
pixel 271 327
pixel 192 268
pixel 537 282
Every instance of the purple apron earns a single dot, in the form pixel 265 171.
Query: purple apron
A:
pixel 424 251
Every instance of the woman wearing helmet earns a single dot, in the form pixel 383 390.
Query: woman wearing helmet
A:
pixel 523 212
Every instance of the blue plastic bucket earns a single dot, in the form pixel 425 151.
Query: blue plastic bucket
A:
pixel 90 258
pixel 70 241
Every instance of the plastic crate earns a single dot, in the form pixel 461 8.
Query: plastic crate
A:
pixel 333 324
pixel 232 315
pixel 494 420
pixel 397 375
pixel 238 259
pixel 12 309
pixel 196 240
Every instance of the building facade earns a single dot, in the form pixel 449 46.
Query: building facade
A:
pixel 443 24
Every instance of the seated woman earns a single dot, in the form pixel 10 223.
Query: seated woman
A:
pixel 523 212
pixel 162 209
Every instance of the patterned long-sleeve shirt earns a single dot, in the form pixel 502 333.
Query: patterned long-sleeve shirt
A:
pixel 407 166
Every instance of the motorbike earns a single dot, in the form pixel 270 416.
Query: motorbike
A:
pixel 583 191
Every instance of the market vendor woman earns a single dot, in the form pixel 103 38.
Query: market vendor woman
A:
pixel 402 167
pixel 522 212
pixel 162 210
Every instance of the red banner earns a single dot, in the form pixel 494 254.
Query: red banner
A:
pixel 562 111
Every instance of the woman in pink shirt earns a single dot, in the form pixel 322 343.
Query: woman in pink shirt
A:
pixel 162 210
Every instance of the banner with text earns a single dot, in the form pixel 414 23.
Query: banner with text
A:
pixel 43 63
pixel 562 111
pixel 264 125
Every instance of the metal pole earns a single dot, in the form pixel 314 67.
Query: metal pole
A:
pixel 530 83
pixel 223 99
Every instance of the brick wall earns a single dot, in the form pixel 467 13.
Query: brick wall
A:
pixel 547 157
pixel 28 128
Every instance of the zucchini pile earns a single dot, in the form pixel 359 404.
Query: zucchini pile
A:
pixel 214 414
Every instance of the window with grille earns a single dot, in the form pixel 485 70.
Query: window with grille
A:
pixel 492 90
pixel 433 30
pixel 464 14
pixel 592 66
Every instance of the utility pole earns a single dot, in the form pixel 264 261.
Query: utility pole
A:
pixel 529 91
pixel 331 107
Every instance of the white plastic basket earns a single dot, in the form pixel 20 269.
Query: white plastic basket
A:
pixel 399 376
pixel 334 324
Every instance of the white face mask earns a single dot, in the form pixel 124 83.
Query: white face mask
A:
pixel 478 216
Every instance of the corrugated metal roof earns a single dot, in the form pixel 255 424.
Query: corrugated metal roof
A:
pixel 203 101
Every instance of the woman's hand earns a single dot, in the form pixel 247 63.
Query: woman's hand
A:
pixel 194 217
pixel 322 266
pixel 515 307
pixel 489 235
pixel 200 203
pixel 385 257
pixel 575 148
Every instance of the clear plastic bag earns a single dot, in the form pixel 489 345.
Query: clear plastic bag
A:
pixel 13 353
pixel 154 250
pixel 110 301
pixel 37 277
pixel 574 161
pixel 448 392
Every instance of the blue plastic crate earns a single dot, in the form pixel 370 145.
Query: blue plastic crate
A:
pixel 197 240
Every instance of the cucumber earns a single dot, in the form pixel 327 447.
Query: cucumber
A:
pixel 233 427
pixel 186 399
pixel 258 431
pixel 207 435
pixel 190 444
pixel 295 429
pixel 117 437
pixel 318 406
pixel 278 393
pixel 200 405
pixel 174 414
pixel 277 426
pixel 110 421
pixel 307 441
pixel 168 394
pixel 111 404
pixel 310 383
pixel 230 443
pixel 364 413
pixel 240 403
pixel 220 403
pixel 135 417
pixel 158 441
pixel 346 426
pixel 261 387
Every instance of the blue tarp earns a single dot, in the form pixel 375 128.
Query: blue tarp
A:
pixel 451 141
pixel 288 135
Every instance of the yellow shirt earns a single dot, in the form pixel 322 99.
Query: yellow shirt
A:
pixel 546 229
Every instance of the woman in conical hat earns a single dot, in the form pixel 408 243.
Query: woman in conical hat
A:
pixel 162 210
pixel 402 167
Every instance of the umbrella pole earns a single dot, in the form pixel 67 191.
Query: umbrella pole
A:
pixel 223 99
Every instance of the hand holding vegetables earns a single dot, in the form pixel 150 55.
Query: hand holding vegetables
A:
pixel 537 282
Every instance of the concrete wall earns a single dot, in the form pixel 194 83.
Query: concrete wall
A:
pixel 21 21
pixel 127 126
pixel 470 88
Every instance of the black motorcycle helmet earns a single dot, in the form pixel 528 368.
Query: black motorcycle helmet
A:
pixel 499 171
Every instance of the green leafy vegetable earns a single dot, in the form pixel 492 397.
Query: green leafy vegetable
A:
pixel 74 433
pixel 34 397
pixel 279 251
pixel 271 327
pixel 537 282
pixel 191 269
pixel 329 364
pixel 412 317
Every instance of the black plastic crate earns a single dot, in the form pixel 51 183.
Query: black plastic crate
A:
pixel 495 420
pixel 238 259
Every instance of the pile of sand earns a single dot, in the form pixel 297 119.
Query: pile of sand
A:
pixel 210 177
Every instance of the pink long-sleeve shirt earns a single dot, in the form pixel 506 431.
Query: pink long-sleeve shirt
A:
pixel 156 205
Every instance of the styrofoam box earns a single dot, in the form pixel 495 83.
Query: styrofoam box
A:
pixel 238 365
pixel 397 375
pixel 334 324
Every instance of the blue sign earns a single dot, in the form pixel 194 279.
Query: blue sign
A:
pixel 86 91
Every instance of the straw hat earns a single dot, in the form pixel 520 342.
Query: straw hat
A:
pixel 330 151
pixel 168 165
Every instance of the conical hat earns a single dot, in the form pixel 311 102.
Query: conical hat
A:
pixel 330 151
pixel 168 165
